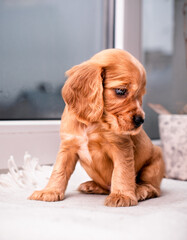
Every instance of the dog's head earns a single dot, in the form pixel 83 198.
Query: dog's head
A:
pixel 109 88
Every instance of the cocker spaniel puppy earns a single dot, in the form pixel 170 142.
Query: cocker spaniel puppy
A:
pixel 101 127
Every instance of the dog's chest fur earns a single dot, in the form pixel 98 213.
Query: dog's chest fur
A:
pixel 84 152
pixel 83 142
pixel 92 152
pixel 90 148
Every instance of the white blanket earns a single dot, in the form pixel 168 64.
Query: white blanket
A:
pixel 82 216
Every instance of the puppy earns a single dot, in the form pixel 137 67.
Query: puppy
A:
pixel 101 127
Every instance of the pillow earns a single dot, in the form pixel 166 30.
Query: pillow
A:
pixel 173 133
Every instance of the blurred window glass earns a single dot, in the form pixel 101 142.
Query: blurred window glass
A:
pixel 164 57
pixel 39 41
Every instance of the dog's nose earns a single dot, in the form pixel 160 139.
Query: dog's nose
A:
pixel 138 120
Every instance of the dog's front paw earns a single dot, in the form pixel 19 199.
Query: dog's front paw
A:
pixel 47 195
pixel 120 200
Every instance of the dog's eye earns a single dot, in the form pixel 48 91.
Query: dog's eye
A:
pixel 121 91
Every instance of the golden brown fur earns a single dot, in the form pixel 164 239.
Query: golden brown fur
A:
pixel 98 128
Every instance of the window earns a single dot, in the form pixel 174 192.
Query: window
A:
pixel 164 57
pixel 39 42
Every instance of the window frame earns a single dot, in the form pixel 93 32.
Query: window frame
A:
pixel 128 36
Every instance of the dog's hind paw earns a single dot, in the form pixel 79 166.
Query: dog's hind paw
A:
pixel 91 187
pixel 145 191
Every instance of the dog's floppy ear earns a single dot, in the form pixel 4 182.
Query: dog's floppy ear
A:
pixel 83 91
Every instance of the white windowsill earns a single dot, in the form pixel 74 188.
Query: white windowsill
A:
pixel 9 127
pixel 40 138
